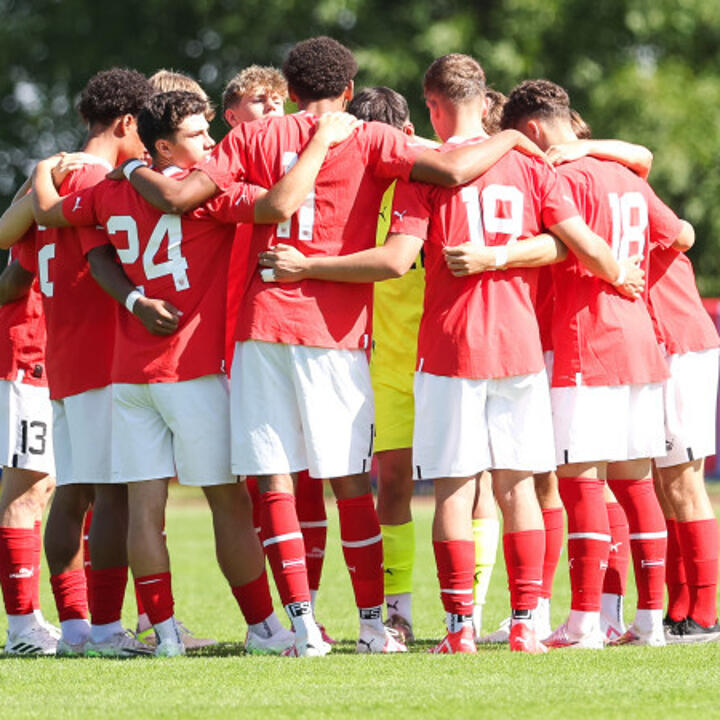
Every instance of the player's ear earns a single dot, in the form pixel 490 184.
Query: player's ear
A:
pixel 534 130
pixel 127 124
pixel 485 106
pixel 229 116
pixel 408 128
pixel 293 96
pixel 163 149
pixel 349 91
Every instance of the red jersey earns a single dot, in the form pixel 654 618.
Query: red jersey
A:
pixel 180 259
pixel 544 303
pixel 79 316
pixel 681 322
pixel 22 322
pixel 599 336
pixel 237 283
pixel 338 218
pixel 484 325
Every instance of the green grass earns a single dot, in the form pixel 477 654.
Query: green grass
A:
pixel 617 682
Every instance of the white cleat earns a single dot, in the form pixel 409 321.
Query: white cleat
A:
pixel 190 640
pixel 373 640
pixel 309 647
pixel 169 648
pixel 562 637
pixel 611 629
pixel 633 636
pixel 119 645
pixel 36 640
pixel 68 649
pixel 500 636
pixel 274 645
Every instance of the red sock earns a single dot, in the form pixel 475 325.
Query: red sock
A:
pixel 675 576
pixel 87 565
pixel 362 548
pixel 138 601
pixel 699 543
pixel 648 539
pixel 157 597
pixel 554 527
pixel 619 556
pixel 284 547
pixel 524 553
pixel 107 594
pixel 17 569
pixel 313 524
pixel 254 599
pixel 588 540
pixel 254 492
pixel 70 591
pixel 37 564
pixel 455 560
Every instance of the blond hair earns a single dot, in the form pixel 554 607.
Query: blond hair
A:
pixel 169 80
pixel 252 78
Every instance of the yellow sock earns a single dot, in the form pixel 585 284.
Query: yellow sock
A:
pixel 486 532
pixel 398 557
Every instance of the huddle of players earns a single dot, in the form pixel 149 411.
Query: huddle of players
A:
pixel 300 393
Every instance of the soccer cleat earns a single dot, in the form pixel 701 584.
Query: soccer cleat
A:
pixel 501 635
pixel 523 639
pixel 690 632
pixel 611 629
pixel 632 636
pixel 402 627
pixel 148 637
pixel 372 640
pixel 36 640
pixel 460 642
pixel 307 648
pixel 68 649
pixel 563 638
pixel 119 645
pixel 169 648
pixel 274 645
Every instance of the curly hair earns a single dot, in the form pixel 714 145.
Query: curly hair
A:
pixel 491 122
pixel 113 93
pixel 457 77
pixel 254 77
pixel 535 98
pixel 319 68
pixel 381 104
pixel 163 113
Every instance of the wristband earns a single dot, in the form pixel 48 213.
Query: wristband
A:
pixel 501 255
pixel 268 274
pixel 132 298
pixel 620 279
pixel 130 167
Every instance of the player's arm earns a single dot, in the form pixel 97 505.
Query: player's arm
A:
pixel 635 157
pixel 686 239
pixel 16 221
pixel 595 254
pixel 15 282
pixel 471 258
pixel 463 164
pixel 47 203
pixel 158 316
pixel 384 262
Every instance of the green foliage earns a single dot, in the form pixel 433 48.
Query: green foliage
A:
pixel 643 70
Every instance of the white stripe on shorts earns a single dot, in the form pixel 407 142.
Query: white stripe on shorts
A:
pixel 589 536
pixel 456 592
pixel 314 523
pixel 361 543
pixel 648 536
pixel 282 538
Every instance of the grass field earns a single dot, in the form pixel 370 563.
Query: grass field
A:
pixel 617 682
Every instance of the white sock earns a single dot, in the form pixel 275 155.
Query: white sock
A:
pixel 40 617
pixel 613 607
pixel 75 631
pixel 143 622
pixel 401 605
pixel 542 617
pixel 313 598
pixel 526 617
pixel 268 627
pixel 372 617
pixel 581 622
pixel 457 622
pixel 167 631
pixel 18 624
pixel 100 633
pixel 303 622
pixel 648 621
pixel 477 619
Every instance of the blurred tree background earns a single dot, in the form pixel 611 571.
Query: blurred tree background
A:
pixel 642 70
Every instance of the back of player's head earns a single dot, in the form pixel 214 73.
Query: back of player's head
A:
pixel 581 129
pixel 113 93
pixel 457 77
pixel 167 80
pixel 381 104
pixel 540 99
pixel 163 113
pixel 254 77
pixel 493 118
pixel 319 68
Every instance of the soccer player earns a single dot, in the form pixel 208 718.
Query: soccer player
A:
pixel 601 378
pixel 480 382
pixel 170 401
pixel 255 92
pixel 80 322
pixel 302 398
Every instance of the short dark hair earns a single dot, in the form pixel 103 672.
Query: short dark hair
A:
pixel 536 98
pixel 582 130
pixel 496 103
pixel 163 113
pixel 381 104
pixel 455 76
pixel 113 93
pixel 319 68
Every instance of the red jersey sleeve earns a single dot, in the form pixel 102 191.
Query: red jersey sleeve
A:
pixel 391 153
pixel 411 211
pixel 226 163
pixel 665 225
pixel 79 210
pixel 25 252
pixel 557 198
pixel 236 204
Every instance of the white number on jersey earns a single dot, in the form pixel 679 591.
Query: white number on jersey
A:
pixel 46 254
pixel 169 226
pixel 629 222
pixel 306 212
pixel 489 220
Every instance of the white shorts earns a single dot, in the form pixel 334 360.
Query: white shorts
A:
pixel 82 436
pixel 295 408
pixel 607 423
pixel 463 426
pixel 26 427
pixel 690 407
pixel 165 429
